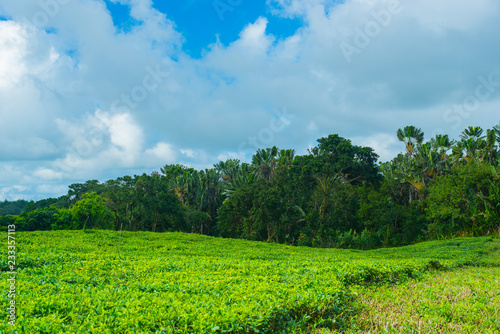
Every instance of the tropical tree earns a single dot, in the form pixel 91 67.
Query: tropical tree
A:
pixel 91 212
pixel 326 188
pixel 409 174
pixel 228 169
pixel 472 132
pixel 158 207
pixel 264 162
pixel 120 196
pixel 77 190
pixel 490 150
pixel 464 201
pixel 442 144
pixel 472 144
pixel 411 136
pixel 180 186
pixel 285 158
pixel 243 177
pixel 336 155
pixel 209 197
pixel 183 181
pixel 113 197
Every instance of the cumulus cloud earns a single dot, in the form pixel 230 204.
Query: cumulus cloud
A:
pixel 12 48
pixel 162 153
pixel 47 174
pixel 14 193
pixel 124 133
pixel 82 99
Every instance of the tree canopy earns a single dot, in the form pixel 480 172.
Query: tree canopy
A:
pixel 334 196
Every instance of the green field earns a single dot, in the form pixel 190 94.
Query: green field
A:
pixel 98 282
pixel 466 300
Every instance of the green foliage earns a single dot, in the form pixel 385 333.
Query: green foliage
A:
pixel 389 216
pixel 491 201
pixel 458 202
pixel 157 206
pixel 460 301
pixel 82 282
pixel 90 212
pixel 7 220
pixel 77 190
pixel 335 196
pixel 197 219
pixel 411 136
pixel 38 219
pixel 335 155
pixel 12 208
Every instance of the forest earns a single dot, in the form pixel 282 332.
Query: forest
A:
pixel 336 196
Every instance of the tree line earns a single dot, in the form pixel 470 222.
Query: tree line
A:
pixel 334 196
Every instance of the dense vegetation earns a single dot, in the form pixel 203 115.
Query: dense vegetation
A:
pixel 460 301
pixel 12 208
pixel 335 196
pixel 121 282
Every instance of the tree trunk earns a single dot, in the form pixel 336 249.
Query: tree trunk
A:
pixel 85 224
pixel 129 216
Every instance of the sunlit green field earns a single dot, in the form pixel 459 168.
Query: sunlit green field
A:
pixel 98 282
pixel 466 300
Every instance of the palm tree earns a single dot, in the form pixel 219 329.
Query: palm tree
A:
pixel 180 186
pixel 493 143
pixel 472 132
pixel 285 157
pixel 209 196
pixel 496 130
pixel 457 153
pixel 490 151
pixel 264 162
pixel 472 143
pixel 411 136
pixel 229 169
pixel 327 185
pixel 243 178
pixel 442 144
pixel 409 172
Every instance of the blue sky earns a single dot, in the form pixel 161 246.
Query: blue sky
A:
pixel 97 89
pixel 203 22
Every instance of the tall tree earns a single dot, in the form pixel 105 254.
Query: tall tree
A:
pixel 91 212
pixel 209 197
pixel 411 136
pixel 442 144
pixel 159 208
pixel 264 162
pixel 234 176
pixel 472 144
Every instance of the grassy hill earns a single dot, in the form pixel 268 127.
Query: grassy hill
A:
pixel 100 282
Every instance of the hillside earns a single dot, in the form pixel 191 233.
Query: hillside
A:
pixel 100 282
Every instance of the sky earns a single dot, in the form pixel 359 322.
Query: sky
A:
pixel 94 89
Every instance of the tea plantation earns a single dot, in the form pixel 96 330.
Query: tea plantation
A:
pixel 103 282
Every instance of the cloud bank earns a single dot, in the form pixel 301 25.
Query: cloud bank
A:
pixel 83 99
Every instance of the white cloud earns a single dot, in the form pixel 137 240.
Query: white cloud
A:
pixel 14 193
pixel 427 59
pixel 253 38
pixel 162 153
pixel 125 134
pixel 105 141
pixel 12 49
pixel 188 153
pixel 445 15
pixel 47 174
